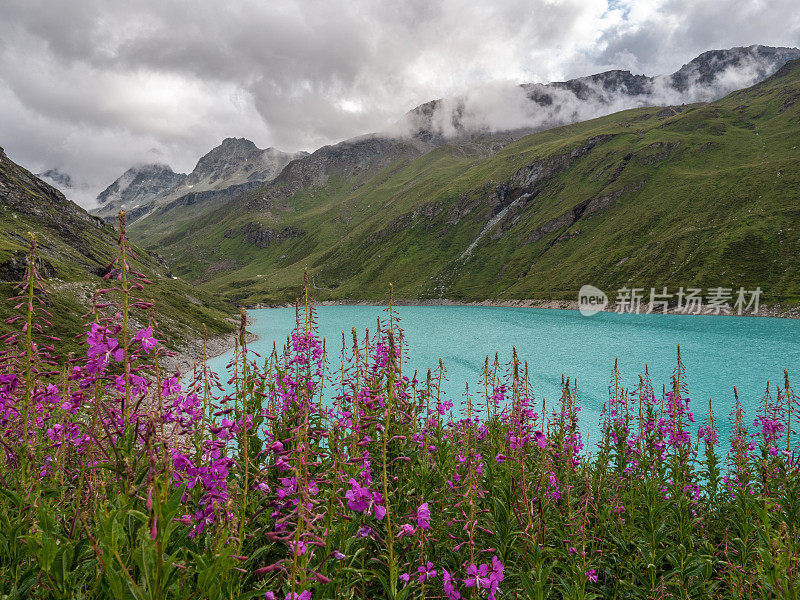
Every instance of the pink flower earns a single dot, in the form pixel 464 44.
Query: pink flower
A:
pixel 591 575
pixel 477 576
pixel 360 499
pixel 405 530
pixel 449 589
pixel 146 339
pixel 426 572
pixel 423 516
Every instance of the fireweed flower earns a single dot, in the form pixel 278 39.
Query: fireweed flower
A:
pixel 146 339
pixel 555 490
pixel 423 516
pixel 591 575
pixel 496 576
pixel 478 576
pixel 449 589
pixel 405 578
pixel 360 499
pixel 426 572
pixel 102 348
pixel 540 439
pixel 365 532
pixel 405 530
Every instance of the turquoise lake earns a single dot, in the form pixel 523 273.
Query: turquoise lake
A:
pixel 719 352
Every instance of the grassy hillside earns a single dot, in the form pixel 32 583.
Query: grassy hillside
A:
pixel 75 248
pixel 698 195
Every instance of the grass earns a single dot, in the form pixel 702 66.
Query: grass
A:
pixel 119 483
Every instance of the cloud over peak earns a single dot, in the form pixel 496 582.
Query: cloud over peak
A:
pixel 92 87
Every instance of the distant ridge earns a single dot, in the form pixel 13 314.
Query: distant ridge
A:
pixel 235 161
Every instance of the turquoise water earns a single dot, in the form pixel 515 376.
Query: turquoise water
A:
pixel 719 352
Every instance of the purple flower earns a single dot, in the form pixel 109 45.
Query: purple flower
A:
pixel 426 572
pixel 365 532
pixel 449 589
pixel 540 438
pixel 405 577
pixel 500 458
pixel 360 499
pixel 423 516
pixel 406 530
pixel 146 339
pixel 477 576
pixel 498 568
pixel 495 577
pixel 591 575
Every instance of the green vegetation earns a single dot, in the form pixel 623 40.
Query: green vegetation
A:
pixel 116 482
pixel 75 250
pixel 701 195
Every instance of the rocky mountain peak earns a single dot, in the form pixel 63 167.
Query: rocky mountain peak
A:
pixel 139 184
pixel 57 178
pixel 224 160
pixel 236 163
pixel 757 61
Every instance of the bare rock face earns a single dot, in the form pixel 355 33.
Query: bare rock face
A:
pixel 262 236
pixel 235 162
pixel 138 185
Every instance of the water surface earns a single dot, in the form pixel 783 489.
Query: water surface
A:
pixel 719 352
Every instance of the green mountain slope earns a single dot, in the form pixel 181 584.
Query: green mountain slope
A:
pixel 75 248
pixel 700 195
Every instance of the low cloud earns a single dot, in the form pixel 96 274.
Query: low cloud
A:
pixel 507 106
pixel 93 87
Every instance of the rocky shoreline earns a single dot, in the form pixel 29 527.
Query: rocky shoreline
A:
pixel 776 310
pixel 185 359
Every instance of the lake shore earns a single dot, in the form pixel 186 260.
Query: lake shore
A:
pixel 185 358
pixel 773 311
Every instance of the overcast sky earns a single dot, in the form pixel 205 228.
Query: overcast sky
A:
pixel 95 86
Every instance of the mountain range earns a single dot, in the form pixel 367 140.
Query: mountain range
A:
pixel 686 194
pixel 488 119
pixel 690 194
pixel 236 163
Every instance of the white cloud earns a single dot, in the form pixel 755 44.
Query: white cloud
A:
pixel 93 87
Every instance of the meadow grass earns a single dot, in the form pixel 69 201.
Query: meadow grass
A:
pixel 119 480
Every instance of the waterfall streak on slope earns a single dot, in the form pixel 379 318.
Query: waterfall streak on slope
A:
pixel 492 222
